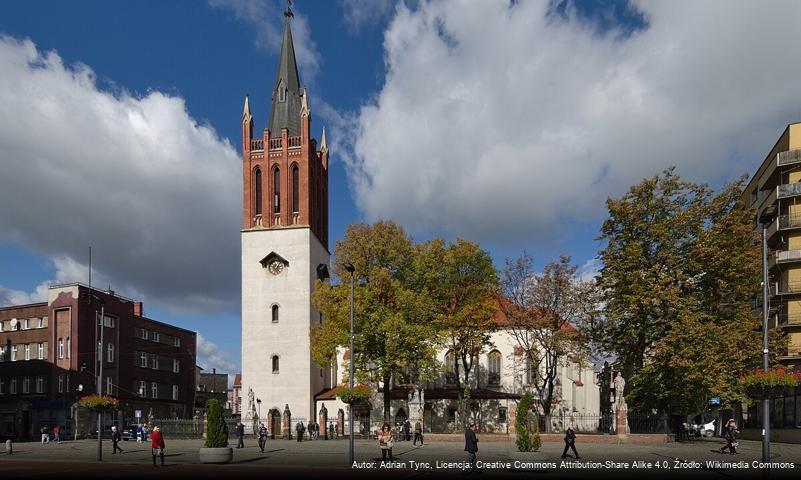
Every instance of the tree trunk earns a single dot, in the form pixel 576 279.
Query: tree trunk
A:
pixel 387 400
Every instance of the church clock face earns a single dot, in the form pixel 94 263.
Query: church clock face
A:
pixel 276 267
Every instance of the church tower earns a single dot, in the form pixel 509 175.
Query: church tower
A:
pixel 284 249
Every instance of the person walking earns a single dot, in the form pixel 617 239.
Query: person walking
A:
pixel 407 431
pixel 115 439
pixel 57 434
pixel 240 435
pixel 139 433
pixel 262 437
pixel 570 442
pixel 300 429
pixel 331 431
pixel 45 435
pixel 471 446
pixel 730 433
pixel 385 442
pixel 418 433
pixel 157 445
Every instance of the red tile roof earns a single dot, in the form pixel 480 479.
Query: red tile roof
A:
pixel 238 380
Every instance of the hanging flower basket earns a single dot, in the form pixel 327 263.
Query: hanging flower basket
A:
pixel 759 384
pixel 358 395
pixel 99 403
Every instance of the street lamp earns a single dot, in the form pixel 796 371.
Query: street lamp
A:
pixel 350 268
pixel 99 356
pixel 258 401
pixel 765 219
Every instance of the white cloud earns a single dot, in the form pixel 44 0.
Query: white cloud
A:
pixel 264 16
pixel 506 124
pixel 209 356
pixel 590 269
pixel 154 193
pixel 358 13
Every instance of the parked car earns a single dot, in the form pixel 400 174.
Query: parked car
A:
pixel 128 433
pixel 701 426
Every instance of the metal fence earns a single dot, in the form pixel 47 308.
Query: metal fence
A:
pixel 581 423
pixel 189 428
pixel 648 423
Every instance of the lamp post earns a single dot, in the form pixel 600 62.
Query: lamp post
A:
pixel 258 402
pixel 99 355
pixel 765 219
pixel 351 269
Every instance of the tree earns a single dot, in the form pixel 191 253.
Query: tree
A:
pixel 463 283
pixel 543 311
pixel 680 267
pixel 393 322
pixel 216 429
pixel 527 426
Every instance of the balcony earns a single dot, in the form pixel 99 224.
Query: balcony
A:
pixel 793 352
pixel 789 157
pixel 257 144
pixel 784 222
pixel 788 190
pixel 787 288
pixel 783 256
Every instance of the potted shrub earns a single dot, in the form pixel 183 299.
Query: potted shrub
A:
pixel 216 449
pixel 98 404
pixel 358 395
pixel 759 384
pixel 527 436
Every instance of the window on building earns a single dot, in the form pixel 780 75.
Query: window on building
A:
pixel 143 359
pixel 143 334
pixel 177 341
pixel 40 351
pixel 502 415
pixel 450 367
pixel 1 326
pixel 26 324
pixel 176 365
pixel 110 353
pixel 69 348
pixel 155 362
pixel 39 384
pixel 14 324
pixel 257 190
pixel 275 313
pixel 40 323
pixel 13 386
pixel 175 392
pixel 109 386
pixel 13 353
pixel 142 388
pixel 60 383
pixel 154 390
pixel 27 351
pixel 276 190
pixel 107 321
pixel 155 336
pixel 451 415
pixel 531 371
pixel 494 368
pixel 2 354
pixel 60 348
pixel 295 189
pixel 26 385
pixel 275 364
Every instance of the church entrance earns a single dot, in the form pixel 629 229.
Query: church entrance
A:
pixel 275 422
pixel 400 417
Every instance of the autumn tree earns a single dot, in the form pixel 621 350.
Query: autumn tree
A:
pixel 393 322
pixel 463 284
pixel 680 267
pixel 543 312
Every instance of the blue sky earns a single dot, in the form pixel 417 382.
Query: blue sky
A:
pixel 508 123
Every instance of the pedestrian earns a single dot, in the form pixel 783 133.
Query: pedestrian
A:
pixel 730 433
pixel 157 445
pixel 240 435
pixel 570 442
pixel 45 435
pixel 57 434
pixel 385 441
pixel 471 446
pixel 115 439
pixel 145 431
pixel 139 433
pixel 331 431
pixel 300 429
pixel 262 437
pixel 418 433
pixel 407 431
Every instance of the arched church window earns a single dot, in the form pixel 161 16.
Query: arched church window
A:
pixel 531 371
pixel 494 368
pixel 257 189
pixel 281 91
pixel 450 367
pixel 277 190
pixel 275 364
pixel 275 313
pixel 295 189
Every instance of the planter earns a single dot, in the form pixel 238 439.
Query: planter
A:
pixel 216 455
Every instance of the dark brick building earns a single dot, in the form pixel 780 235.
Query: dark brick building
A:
pixel 48 359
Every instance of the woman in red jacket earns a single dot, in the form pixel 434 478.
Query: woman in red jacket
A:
pixel 157 445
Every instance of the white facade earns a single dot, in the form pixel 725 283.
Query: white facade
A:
pixel 576 392
pixel 297 378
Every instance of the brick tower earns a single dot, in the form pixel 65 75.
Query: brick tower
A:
pixel 284 248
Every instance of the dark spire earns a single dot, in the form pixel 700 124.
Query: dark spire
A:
pixel 286 101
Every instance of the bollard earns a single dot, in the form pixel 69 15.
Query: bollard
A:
pixel 8 447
